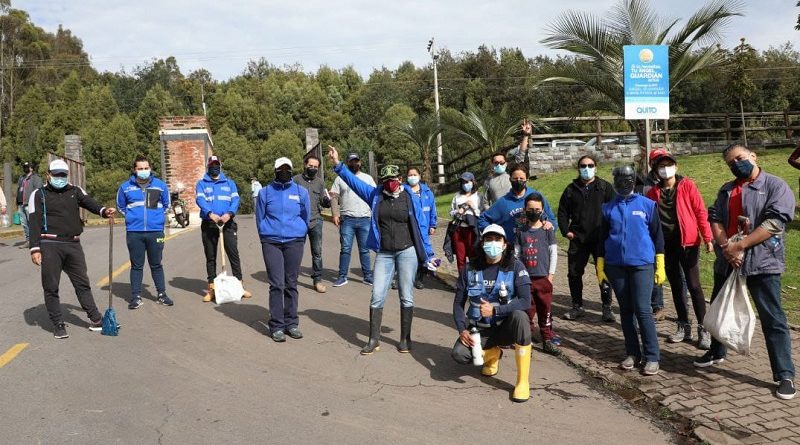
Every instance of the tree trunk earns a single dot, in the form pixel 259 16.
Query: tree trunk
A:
pixel 426 165
pixel 744 125
pixel 641 133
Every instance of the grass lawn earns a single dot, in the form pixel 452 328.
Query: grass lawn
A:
pixel 709 172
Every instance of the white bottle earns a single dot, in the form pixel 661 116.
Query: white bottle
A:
pixel 477 350
pixel 503 293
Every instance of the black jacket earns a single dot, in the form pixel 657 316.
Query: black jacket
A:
pixel 58 210
pixel 582 215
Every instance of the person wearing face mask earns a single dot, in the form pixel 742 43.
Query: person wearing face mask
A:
pixel 579 219
pixel 684 222
pixel 396 236
pixel 463 230
pixel 631 259
pixel 55 229
pixel 27 184
pixel 311 180
pixel 496 289
pixel 768 203
pixel 283 215
pixel 508 211
pixel 352 216
pixel 217 196
pixel 427 222
pixel 144 200
pixel 498 183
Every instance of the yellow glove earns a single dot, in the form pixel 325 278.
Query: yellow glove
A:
pixel 601 270
pixel 661 275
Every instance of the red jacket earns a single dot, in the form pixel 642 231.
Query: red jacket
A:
pixel 691 210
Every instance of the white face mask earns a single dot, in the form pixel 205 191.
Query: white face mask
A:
pixel 667 172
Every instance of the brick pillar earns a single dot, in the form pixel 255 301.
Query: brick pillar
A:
pixel 185 143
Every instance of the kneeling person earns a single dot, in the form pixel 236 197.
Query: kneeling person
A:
pixel 498 290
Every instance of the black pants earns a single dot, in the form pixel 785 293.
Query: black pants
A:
pixel 68 257
pixel 210 234
pixel 686 259
pixel 514 330
pixel 577 258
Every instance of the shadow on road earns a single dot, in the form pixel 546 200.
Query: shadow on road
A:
pixel 252 315
pixel 38 316
pixel 191 285
pixel 122 291
pixel 443 368
pixel 346 326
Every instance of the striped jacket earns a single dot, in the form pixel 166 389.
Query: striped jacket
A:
pixel 144 206
pixel 218 196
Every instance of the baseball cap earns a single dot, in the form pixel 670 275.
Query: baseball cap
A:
pixel 659 153
pixel 389 171
pixel 59 166
pixel 213 160
pixel 467 176
pixel 494 228
pixel 283 161
pixel 353 156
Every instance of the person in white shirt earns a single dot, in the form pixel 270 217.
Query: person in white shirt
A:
pixel 255 187
pixel 465 210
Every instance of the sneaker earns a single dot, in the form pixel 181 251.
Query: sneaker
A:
pixel 96 326
pixel 278 336
pixel 418 284
pixel 60 331
pixel 680 332
pixel 575 313
pixel 295 333
pixel 135 303
pixel 659 314
pixel 556 340
pixel 368 281
pixel 650 368
pixel 164 299
pixel 608 314
pixel 703 339
pixel 394 283
pixel 550 348
pixel 320 288
pixel 785 390
pixel 340 282
pixel 629 363
pixel 707 360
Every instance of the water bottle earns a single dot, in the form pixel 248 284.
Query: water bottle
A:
pixel 4 220
pixel 477 350
pixel 503 293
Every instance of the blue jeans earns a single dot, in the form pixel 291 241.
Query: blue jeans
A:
pixel 152 244
pixel 406 262
pixel 315 240
pixel 348 228
pixel 633 286
pixel 765 291
pixel 657 297
pixel 283 265
pixel 23 220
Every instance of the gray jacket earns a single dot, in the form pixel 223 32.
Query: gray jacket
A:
pixel 316 195
pixel 766 198
pixel 497 186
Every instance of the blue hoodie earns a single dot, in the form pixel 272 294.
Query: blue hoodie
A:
pixel 428 220
pixel 508 212
pixel 144 206
pixel 282 212
pixel 373 196
pixel 218 196
pixel 631 230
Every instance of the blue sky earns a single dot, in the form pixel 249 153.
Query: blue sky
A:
pixel 222 36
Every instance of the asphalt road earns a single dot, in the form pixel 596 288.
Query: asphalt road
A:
pixel 200 373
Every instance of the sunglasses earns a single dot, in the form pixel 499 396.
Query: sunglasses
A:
pixel 586 166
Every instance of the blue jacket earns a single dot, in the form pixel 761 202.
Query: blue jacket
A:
pixel 508 212
pixel 282 212
pixel 373 196
pixel 145 207
pixel 428 220
pixel 632 231
pixel 218 196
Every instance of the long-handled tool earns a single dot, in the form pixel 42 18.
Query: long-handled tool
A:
pixel 227 288
pixel 110 326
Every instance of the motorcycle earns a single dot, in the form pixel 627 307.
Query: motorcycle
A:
pixel 177 211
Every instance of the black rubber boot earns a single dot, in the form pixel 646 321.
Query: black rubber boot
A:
pixel 375 318
pixel 406 315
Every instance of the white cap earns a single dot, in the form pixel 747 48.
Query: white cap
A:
pixel 494 228
pixel 59 166
pixel 283 161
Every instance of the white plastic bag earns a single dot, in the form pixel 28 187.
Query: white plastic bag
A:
pixel 227 288
pixel 730 318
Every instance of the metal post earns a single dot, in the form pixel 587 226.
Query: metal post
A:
pixel 440 162
pixel 8 180
pixel 647 144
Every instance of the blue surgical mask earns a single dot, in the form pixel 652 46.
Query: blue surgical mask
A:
pixel 143 174
pixel 412 180
pixel 58 183
pixel 500 169
pixel 467 187
pixel 742 169
pixel 493 249
pixel 587 173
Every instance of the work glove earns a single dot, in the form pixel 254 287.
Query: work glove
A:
pixel 600 266
pixel 661 274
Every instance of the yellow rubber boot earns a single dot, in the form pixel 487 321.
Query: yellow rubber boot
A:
pixel 491 361
pixel 209 296
pixel 522 390
pixel 246 293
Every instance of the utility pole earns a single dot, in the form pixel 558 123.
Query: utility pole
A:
pixel 435 57
pixel 203 98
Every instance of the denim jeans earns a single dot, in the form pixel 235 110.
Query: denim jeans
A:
pixel 315 241
pixel 633 286
pixel 359 228
pixel 152 244
pixel 23 220
pixel 406 262
pixel 765 291
pixel 657 297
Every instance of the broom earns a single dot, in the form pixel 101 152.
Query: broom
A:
pixel 110 326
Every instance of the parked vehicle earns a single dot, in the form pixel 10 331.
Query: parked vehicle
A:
pixel 566 143
pixel 177 211
pixel 593 141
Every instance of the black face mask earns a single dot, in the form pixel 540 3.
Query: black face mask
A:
pixel 283 176
pixel 311 173
pixel 623 185
pixel 26 169
pixel 533 215
pixel 518 186
pixel 214 171
pixel 354 167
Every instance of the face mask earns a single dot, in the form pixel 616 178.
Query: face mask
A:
pixel 58 183
pixel 143 174
pixel 587 173
pixel 413 180
pixel 26 169
pixel 500 169
pixel 742 169
pixel 467 187
pixel 533 215
pixel 214 171
pixel 391 185
pixel 518 186
pixel 493 249
pixel 311 173
pixel 354 167
pixel 283 176
pixel 667 172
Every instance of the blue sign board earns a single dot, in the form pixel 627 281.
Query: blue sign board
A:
pixel 646 81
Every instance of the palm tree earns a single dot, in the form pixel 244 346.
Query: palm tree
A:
pixel 482 130
pixel 422 132
pixel 599 41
